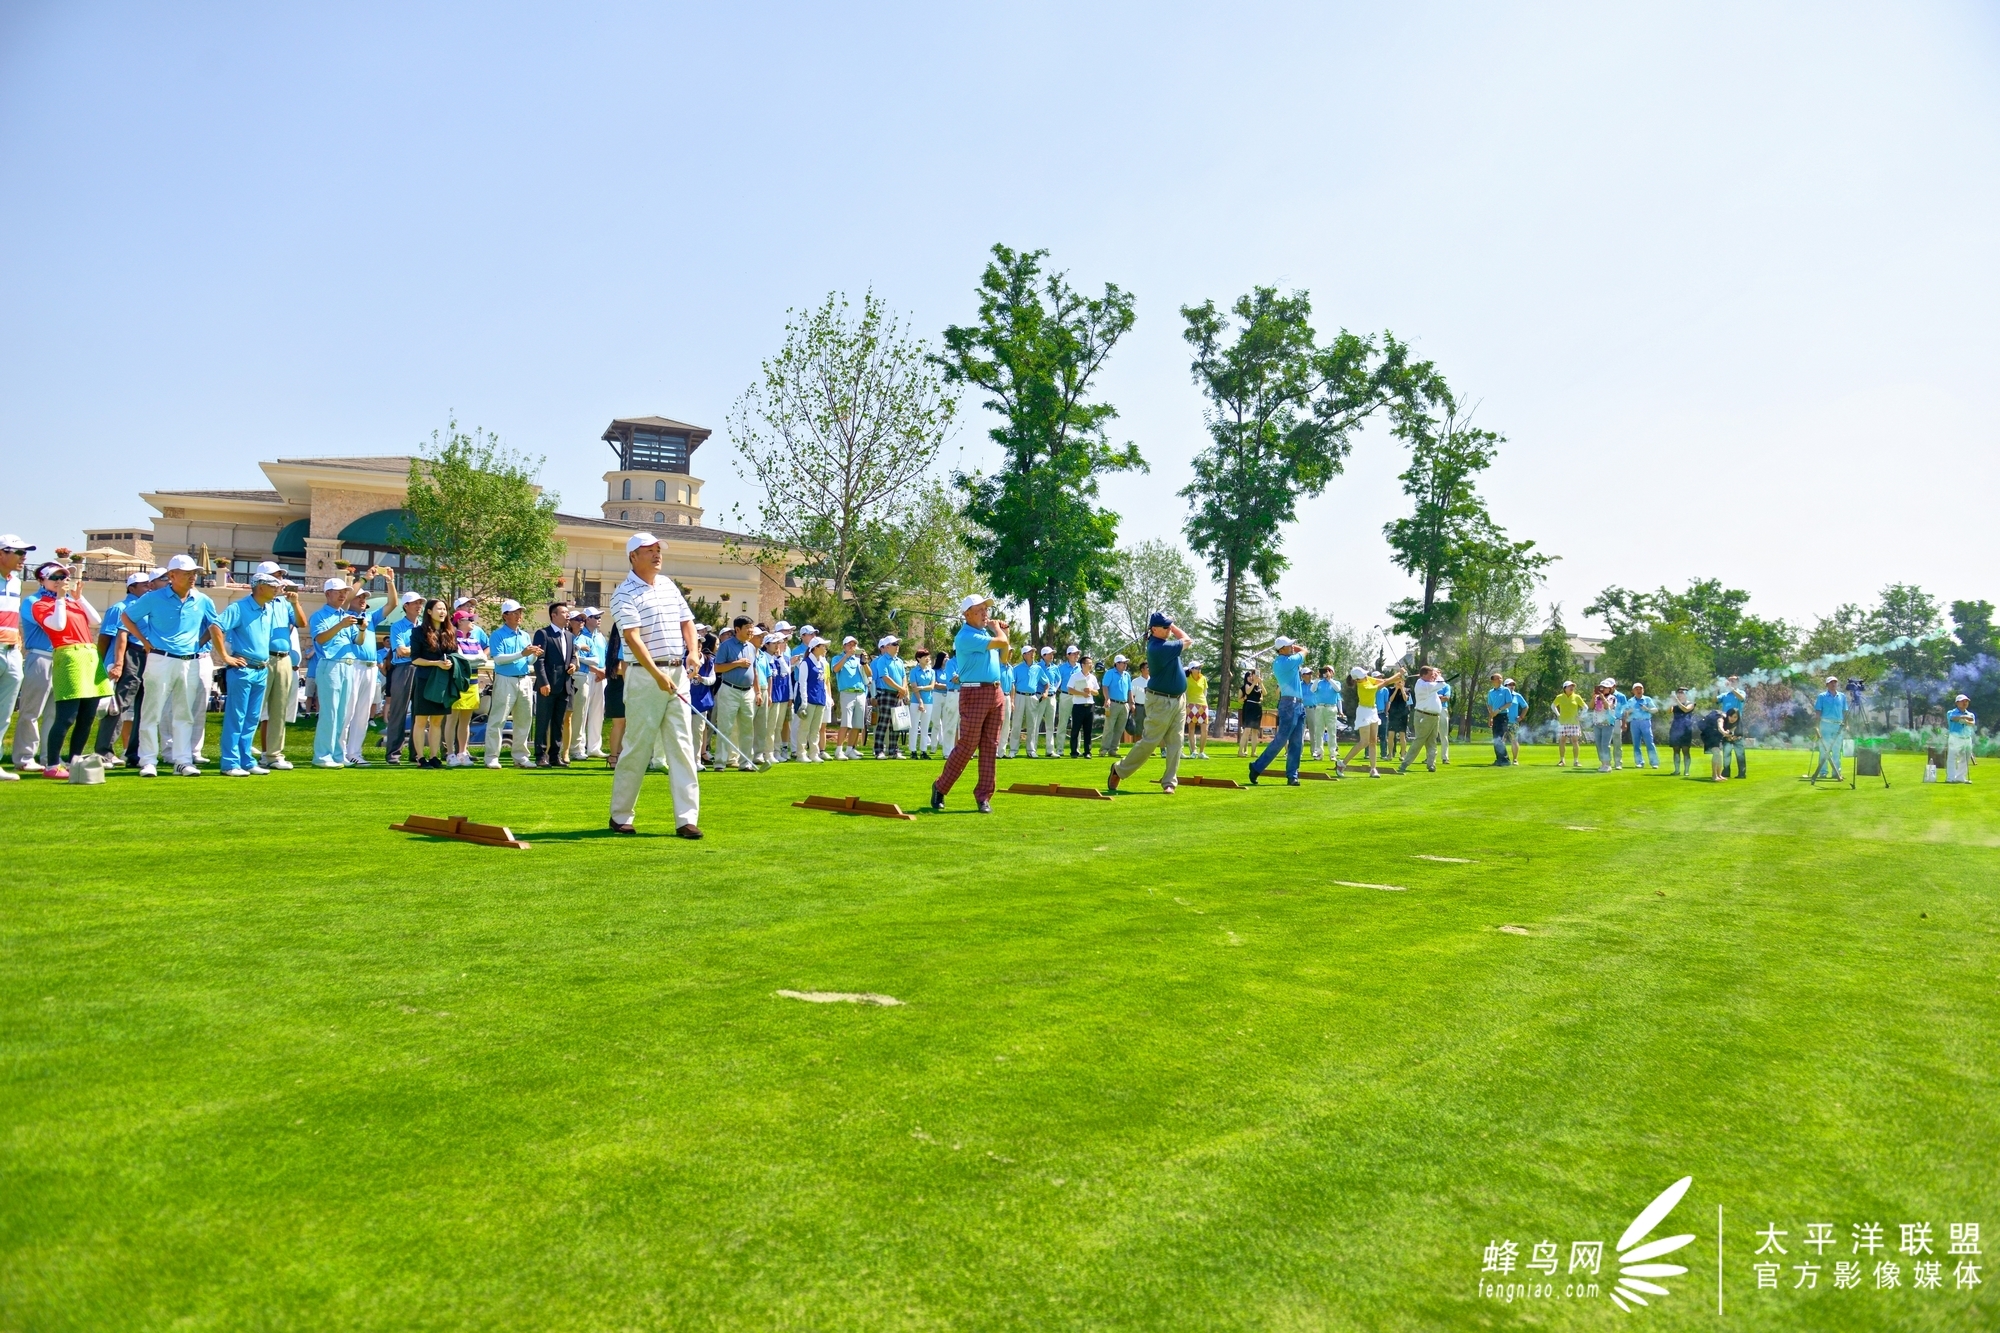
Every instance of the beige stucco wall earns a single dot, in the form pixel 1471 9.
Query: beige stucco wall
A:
pixel 334 509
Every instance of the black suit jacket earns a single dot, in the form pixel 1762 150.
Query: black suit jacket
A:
pixel 558 657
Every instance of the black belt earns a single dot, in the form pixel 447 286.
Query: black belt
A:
pixel 726 685
pixel 258 665
pixel 178 657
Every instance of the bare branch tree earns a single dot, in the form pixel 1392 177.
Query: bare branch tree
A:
pixel 841 432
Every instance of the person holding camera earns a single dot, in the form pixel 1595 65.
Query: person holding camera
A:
pixel 336 634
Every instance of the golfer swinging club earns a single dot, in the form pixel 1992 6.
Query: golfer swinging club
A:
pixel 658 631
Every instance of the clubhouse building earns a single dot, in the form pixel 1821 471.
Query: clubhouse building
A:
pixel 319 516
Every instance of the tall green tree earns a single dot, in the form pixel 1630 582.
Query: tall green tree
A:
pixel 1738 642
pixel 1495 601
pixel 840 432
pixel 1281 409
pixel 1153 575
pixel 1038 533
pixel 1302 624
pixel 479 524
pixel 1448 538
pixel 1540 676
pixel 1916 670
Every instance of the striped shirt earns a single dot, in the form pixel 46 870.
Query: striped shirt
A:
pixel 10 610
pixel 656 610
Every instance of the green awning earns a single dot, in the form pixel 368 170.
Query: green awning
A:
pixel 291 539
pixel 384 527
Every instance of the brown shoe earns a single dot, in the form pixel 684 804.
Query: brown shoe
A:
pixel 689 832
pixel 617 827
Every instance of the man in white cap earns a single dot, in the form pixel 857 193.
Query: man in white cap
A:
pixel 242 639
pixel 13 554
pixel 851 685
pixel 1054 678
pixel 171 623
pixel 656 631
pixel 1287 666
pixel 369 658
pixel 1831 705
pixel 336 635
pixel 37 699
pixel 1960 730
pixel 593 716
pixel 514 653
pixel 1117 703
pixel 892 690
pixel 978 652
pixel 402 677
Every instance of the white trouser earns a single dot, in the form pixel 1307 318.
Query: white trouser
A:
pixel 1054 711
pixel 920 723
pixel 735 720
pixel 764 732
pixel 807 728
pixel 582 687
pixel 657 721
pixel 360 707
pixel 37 701
pixel 513 698
pixel 170 683
pixel 948 722
pixel 593 720
pixel 1020 732
pixel 198 702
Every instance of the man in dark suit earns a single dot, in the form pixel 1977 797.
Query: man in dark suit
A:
pixel 552 673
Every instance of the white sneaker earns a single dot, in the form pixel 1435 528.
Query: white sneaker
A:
pixel 29 766
pixel 148 771
pixel 190 771
pixel 235 772
pixel 113 760
pixel 279 764
pixel 328 763
pixel 5 776
pixel 259 771
pixel 357 763
pixel 528 762
pixel 493 763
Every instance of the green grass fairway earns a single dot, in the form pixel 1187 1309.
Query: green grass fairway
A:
pixel 270 1066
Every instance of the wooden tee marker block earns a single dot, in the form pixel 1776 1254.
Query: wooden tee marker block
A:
pixel 460 828
pixel 1318 777
pixel 835 737
pixel 852 805
pixel 1056 789
pixel 1189 780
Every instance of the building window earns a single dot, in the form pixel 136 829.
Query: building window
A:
pixel 659 516
pixel 593 591
pixel 657 451
pixel 687 519
pixel 626 492
pixel 659 490
pixel 687 495
pixel 624 516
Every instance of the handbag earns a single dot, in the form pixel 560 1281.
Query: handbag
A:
pixel 899 717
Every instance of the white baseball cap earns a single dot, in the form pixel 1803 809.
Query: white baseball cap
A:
pixel 270 580
pixel 972 600
pixel 270 567
pixel 1120 658
pixel 1359 673
pixel 773 637
pixel 638 539
pixel 782 627
pixel 133 580
pixel 1071 649
pixel 182 562
pixel 156 572
pixel 508 605
pixel 1609 681
pixel 850 639
pixel 11 542
pixel 331 585
pixel 1048 650
pixel 886 640
pixel 1282 644
pixel 815 641
pixel 412 596
pixel 808 629
pixel 460 601
pixel 1835 680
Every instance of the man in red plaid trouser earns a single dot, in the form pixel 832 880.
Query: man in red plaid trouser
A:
pixel 978 646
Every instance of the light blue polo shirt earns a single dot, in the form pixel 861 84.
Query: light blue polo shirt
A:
pixel 1286 666
pixel 400 630
pixel 922 678
pixel 1118 685
pixel 1646 704
pixel 1831 705
pixel 851 677
pixel 1027 678
pixel 283 640
pixel 888 671
pixel 34 638
pixel 246 629
pixel 732 649
pixel 1518 707
pixel 1731 699
pixel 1500 699
pixel 171 624
pixel 505 641
pixel 345 643
pixel 1959 722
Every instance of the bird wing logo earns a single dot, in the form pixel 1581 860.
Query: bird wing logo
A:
pixel 1636 1270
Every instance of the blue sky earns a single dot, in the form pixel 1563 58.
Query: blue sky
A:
pixel 1724 276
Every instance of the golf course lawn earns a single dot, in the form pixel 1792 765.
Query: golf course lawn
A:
pixel 269 1065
